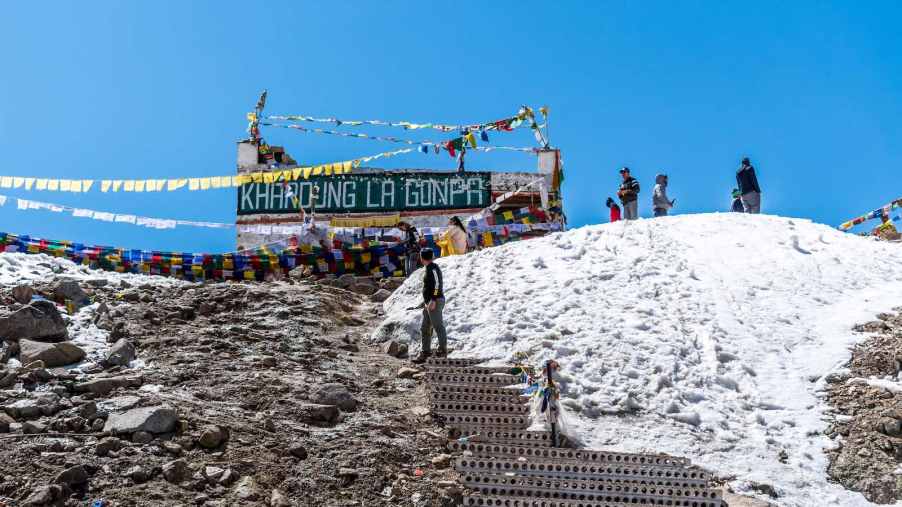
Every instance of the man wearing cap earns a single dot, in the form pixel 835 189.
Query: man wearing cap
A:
pixel 749 191
pixel 433 304
pixel 629 195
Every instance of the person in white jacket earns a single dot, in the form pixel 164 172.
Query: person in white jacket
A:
pixel 660 203
pixel 454 239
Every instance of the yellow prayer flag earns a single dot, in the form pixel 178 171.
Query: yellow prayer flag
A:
pixel 75 186
pixel 41 184
pixel 105 185
pixel 347 166
pixel 229 181
pixel 205 183
pixel 174 184
pixel 18 182
pixel 307 171
pixel 193 183
pixel 6 182
pixel 257 177
pixel 160 185
pixel 216 182
pixel 117 184
pixel 509 215
pixel 129 186
pixel 151 185
pixel 29 182
pixel 53 185
pixel 268 177
pixel 65 185
pixel 328 169
pixel 317 170
pixel 249 275
pixel 86 185
pixel 139 185
pixel 296 173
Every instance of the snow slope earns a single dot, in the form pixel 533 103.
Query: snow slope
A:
pixel 705 336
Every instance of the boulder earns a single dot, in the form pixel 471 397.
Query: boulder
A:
pixel 137 474
pixel 334 394
pixel 364 289
pixel 142 437
pixel 316 413
pixel 406 372
pixel 157 419
pixel 176 471
pixel 5 421
pixel 298 451
pixel 39 320
pixel 106 385
pixel 380 295
pixel 278 499
pixel 72 476
pixel 211 437
pixel 7 378
pixel 8 348
pixel 46 495
pixel 121 353
pixel 108 445
pixel 69 290
pixel 394 348
pixel 22 294
pixel 346 280
pixel 247 489
pixel 33 427
pixel 53 354
pixel 39 404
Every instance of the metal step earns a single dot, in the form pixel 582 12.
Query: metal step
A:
pixel 474 370
pixel 572 489
pixel 512 421
pixel 513 451
pixel 503 501
pixel 453 362
pixel 579 471
pixel 476 389
pixel 475 380
pixel 471 408
pixel 512 397
pixel 497 434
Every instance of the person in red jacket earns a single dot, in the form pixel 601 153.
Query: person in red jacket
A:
pixel 615 210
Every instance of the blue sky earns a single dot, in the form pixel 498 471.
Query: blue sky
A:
pixel 809 90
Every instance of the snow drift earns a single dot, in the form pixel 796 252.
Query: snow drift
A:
pixel 705 336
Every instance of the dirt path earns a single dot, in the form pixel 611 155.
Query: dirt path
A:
pixel 252 365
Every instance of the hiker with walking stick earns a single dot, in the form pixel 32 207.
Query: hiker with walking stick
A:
pixel 433 304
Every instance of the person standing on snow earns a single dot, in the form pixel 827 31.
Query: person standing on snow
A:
pixel 749 190
pixel 736 205
pixel 615 210
pixel 629 195
pixel 659 202
pixel 433 304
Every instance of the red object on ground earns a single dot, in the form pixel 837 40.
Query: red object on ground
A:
pixel 615 213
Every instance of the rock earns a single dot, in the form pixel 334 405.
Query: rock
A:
pixel 298 451
pixel 39 404
pixel 213 474
pixel 39 320
pixel 176 471
pixel 268 361
pixel 106 385
pixel 142 437
pixel 441 461
pixel 121 353
pixel 8 348
pixel 380 295
pixel 278 499
pixel 246 489
pixel 346 280
pixel 46 495
pixel 407 372
pixel 137 474
pixel 394 348
pixel 173 448
pixel 889 426
pixel 22 294
pixel 7 378
pixel 363 289
pixel 33 428
pixel 5 421
pixel 69 290
pixel 72 476
pixel 347 476
pixel 211 437
pixel 316 413
pixel 392 283
pixel 87 410
pixel 334 394
pixel 53 354
pixel 97 425
pixel 108 445
pixel 228 477
pixel 155 420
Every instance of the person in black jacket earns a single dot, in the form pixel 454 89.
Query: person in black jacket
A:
pixel 749 191
pixel 433 304
pixel 412 247
pixel 629 195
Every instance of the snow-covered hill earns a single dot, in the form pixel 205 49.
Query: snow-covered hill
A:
pixel 706 336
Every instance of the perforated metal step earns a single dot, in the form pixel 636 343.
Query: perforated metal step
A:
pixel 500 450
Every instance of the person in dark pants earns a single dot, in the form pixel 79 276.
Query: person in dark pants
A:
pixel 433 304
pixel 412 246
pixel 749 190
pixel 736 205
pixel 629 195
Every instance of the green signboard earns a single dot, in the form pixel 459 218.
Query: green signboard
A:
pixel 376 192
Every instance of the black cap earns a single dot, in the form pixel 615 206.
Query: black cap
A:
pixel 427 254
pixel 624 169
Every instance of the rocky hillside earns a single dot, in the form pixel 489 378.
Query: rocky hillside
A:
pixel 125 390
